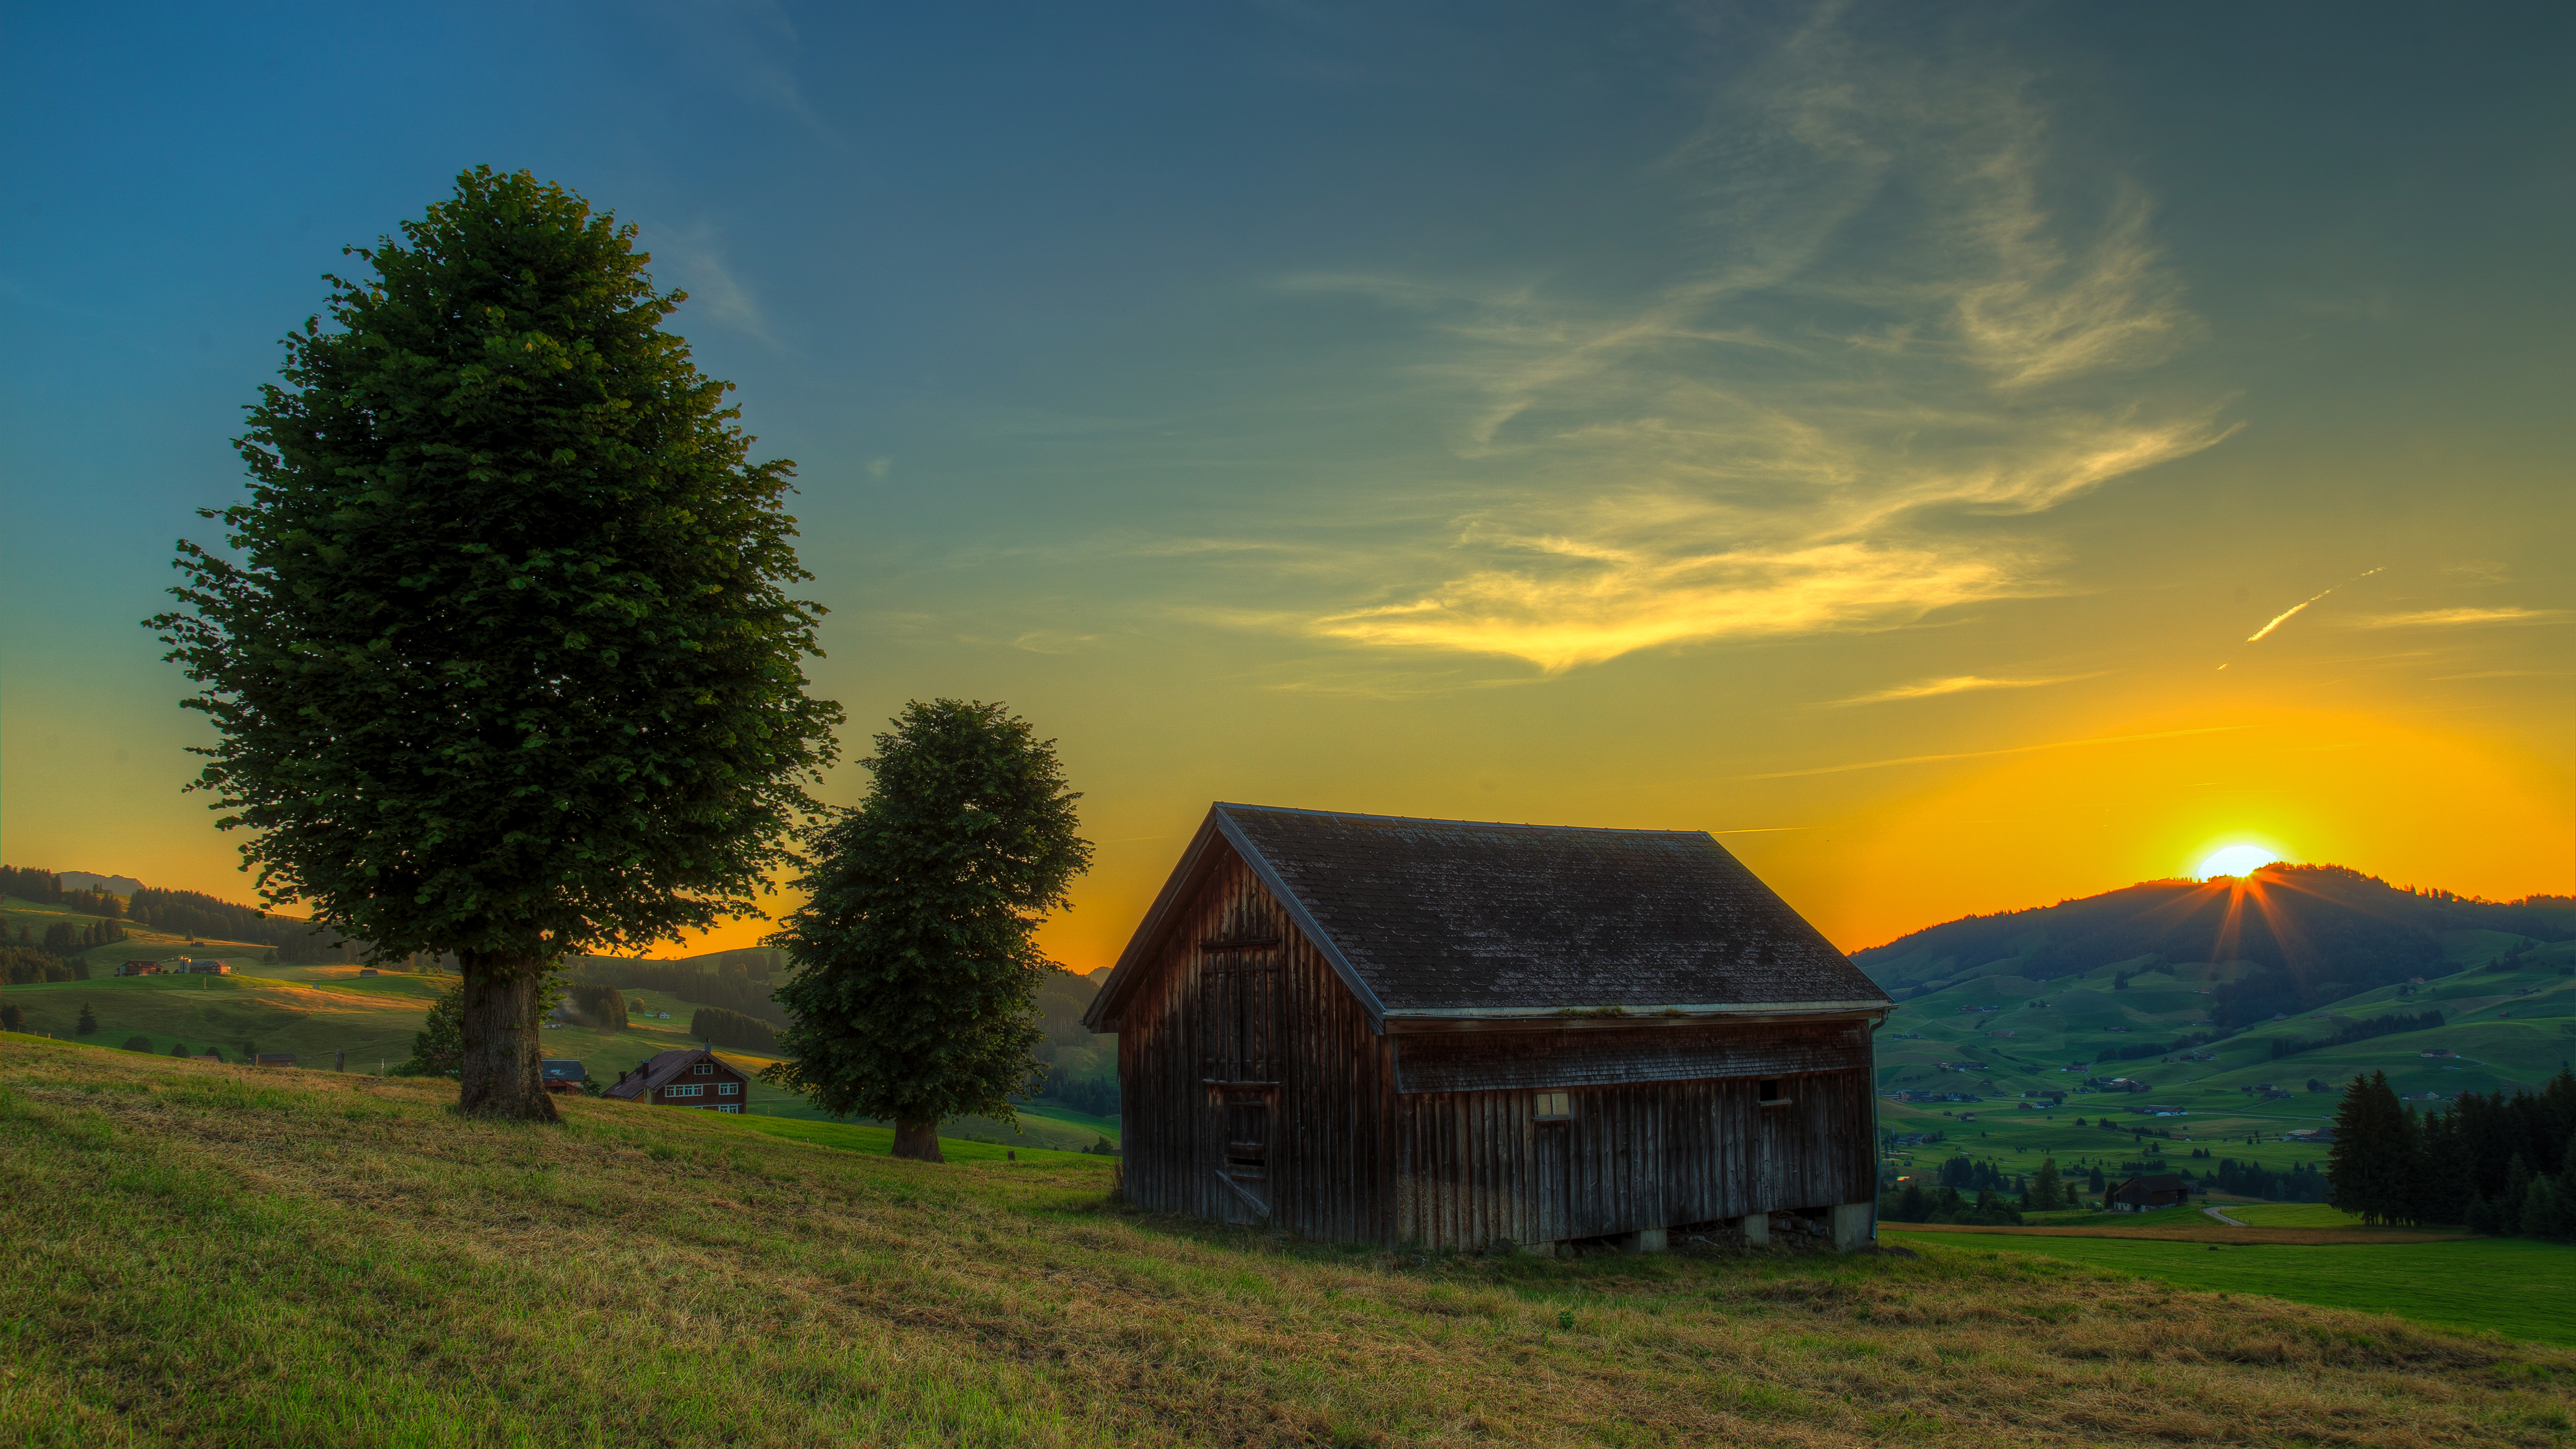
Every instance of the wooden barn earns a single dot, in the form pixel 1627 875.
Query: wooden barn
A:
pixel 1367 1028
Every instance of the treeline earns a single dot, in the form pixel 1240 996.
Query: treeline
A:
pixel 595 1004
pixel 2352 1031
pixel 721 1027
pixel 194 913
pixel 63 938
pixel 738 981
pixel 2302 1183
pixel 2490 1164
pixel 26 966
pixel 1092 1094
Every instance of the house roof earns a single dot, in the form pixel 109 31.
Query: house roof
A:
pixel 2152 1183
pixel 562 1069
pixel 662 1068
pixel 1479 919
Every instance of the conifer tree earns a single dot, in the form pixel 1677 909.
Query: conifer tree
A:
pixel 13 1017
pixel 917 998
pixel 88 1023
pixel 2044 1188
pixel 499 656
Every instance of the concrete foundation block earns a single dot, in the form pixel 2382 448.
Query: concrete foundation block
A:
pixel 1757 1230
pixel 1852 1226
pixel 1645 1240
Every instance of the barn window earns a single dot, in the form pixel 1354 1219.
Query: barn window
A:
pixel 1774 1093
pixel 728 1089
pixel 703 1069
pixel 1552 1107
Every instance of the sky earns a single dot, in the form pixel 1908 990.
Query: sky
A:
pixel 1965 457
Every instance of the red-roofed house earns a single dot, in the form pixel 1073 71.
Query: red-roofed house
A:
pixel 685 1077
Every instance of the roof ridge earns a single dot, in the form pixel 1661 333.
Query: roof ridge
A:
pixel 1443 820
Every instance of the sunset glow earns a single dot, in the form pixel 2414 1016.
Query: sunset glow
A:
pixel 2235 860
pixel 1963 458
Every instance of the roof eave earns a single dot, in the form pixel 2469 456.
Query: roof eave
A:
pixel 1538 1018
pixel 1102 1014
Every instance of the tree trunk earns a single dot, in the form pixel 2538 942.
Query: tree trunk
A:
pixel 500 1074
pixel 917 1140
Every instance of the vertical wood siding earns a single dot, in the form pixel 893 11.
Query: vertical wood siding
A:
pixel 1242 1031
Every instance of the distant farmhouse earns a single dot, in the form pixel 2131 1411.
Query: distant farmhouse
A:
pixel 2145 1194
pixel 1366 1028
pixel 685 1077
pixel 563 1074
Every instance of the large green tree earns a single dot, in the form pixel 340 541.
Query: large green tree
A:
pixel 500 654
pixel 917 997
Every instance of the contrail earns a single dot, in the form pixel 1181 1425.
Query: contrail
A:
pixel 2284 616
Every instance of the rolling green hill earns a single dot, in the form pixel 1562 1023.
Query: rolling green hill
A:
pixel 219 1255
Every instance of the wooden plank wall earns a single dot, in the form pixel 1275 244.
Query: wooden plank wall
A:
pixel 1351 1160
pixel 1239 1015
pixel 1646 1156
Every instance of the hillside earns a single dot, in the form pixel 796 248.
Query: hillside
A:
pixel 326 1012
pixel 216 1255
pixel 2304 935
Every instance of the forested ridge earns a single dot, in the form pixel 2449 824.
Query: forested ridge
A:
pixel 2314 933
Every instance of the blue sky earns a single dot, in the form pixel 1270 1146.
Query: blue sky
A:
pixel 1613 415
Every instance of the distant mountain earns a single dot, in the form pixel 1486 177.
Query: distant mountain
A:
pixel 88 880
pixel 2310 934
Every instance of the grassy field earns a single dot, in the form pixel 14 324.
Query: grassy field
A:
pixel 314 1012
pixel 216 1255
pixel 2509 1286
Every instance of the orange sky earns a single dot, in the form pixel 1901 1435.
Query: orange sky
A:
pixel 1965 464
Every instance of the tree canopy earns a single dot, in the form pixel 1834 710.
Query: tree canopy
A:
pixel 500 654
pixel 916 1000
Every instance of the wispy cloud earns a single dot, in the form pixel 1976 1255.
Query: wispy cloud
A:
pixel 2434 618
pixel 693 256
pixel 1958 684
pixel 2291 612
pixel 1986 754
pixel 1881 328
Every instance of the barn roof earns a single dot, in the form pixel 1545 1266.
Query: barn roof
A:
pixel 1433 918
pixel 661 1069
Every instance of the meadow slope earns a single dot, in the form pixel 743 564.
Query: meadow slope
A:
pixel 211 1254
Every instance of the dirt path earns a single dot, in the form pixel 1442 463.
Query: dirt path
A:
pixel 2224 1218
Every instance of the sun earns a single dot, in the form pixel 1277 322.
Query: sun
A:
pixel 2236 860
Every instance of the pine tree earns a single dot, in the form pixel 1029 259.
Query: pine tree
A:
pixel 2044 1187
pixel 917 998
pixel 13 1017
pixel 2373 1167
pixel 88 1024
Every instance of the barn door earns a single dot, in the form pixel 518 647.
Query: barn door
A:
pixel 1239 1067
pixel 1245 1165
pixel 1552 1161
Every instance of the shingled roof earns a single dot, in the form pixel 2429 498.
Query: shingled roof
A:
pixel 1471 918
pixel 663 1067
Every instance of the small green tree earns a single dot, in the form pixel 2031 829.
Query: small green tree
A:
pixel 917 1000
pixel 439 1046
pixel 2046 1189
pixel 501 662
pixel 13 1017
pixel 88 1023
pixel 178 1049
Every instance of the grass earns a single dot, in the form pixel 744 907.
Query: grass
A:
pixel 2509 1286
pixel 218 1255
